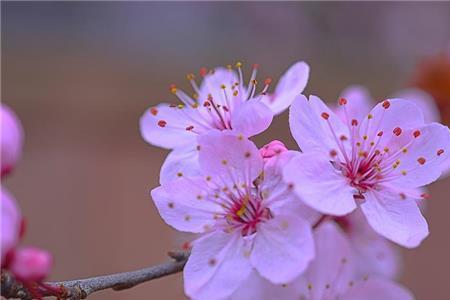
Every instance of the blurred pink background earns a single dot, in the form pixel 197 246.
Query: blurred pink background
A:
pixel 79 75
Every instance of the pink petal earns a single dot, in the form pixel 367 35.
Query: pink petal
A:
pixel 251 117
pixel 359 103
pixel 424 101
pixel 31 264
pixel 310 130
pixel 217 266
pixel 212 84
pixel 399 113
pixel 11 139
pixel 332 269
pixel 395 218
pixel 423 161
pixel 291 84
pixel 319 185
pixel 184 205
pixel 374 255
pixel 10 223
pixel 167 127
pixel 181 162
pixel 283 248
pixel 235 159
pixel 278 195
pixel 376 289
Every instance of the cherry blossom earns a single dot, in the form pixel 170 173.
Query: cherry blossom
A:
pixel 331 276
pixel 248 218
pixel 376 163
pixel 11 224
pixel 11 139
pixel 222 102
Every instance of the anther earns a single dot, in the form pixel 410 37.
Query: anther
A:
pixel 325 115
pixel 203 72
pixel 173 89
pixel 342 101
pixel 397 131
pixel 189 128
pixel 421 160
pixel 354 122
pixel 386 104
pixel 154 111
pixel 162 123
pixel 440 152
pixel 416 133
pixel 190 76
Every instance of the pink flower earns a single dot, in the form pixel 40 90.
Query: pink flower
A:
pixel 11 223
pixel 272 149
pixel 11 139
pixel 248 218
pixel 31 264
pixel 222 102
pixel 376 163
pixel 331 276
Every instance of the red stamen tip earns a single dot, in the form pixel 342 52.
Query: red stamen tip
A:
pixel 203 72
pixel 386 104
pixel 425 196
pixel 255 66
pixel 342 101
pixel 154 111
pixel 189 128
pixel 397 131
pixel 354 122
pixel 416 133
pixel 325 115
pixel 268 81
pixel 380 133
pixel 162 123
pixel 440 152
pixel 421 160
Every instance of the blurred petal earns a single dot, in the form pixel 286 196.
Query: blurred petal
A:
pixel 395 218
pixel 10 223
pixel 11 139
pixel 376 289
pixel 424 101
pixel 31 264
pixel 319 185
pixel 217 266
pixel 283 248
pixel 359 103
pixel 291 84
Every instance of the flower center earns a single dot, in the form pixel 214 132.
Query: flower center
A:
pixel 246 213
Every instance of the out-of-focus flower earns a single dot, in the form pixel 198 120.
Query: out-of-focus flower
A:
pixel 373 254
pixel 222 102
pixel 433 77
pixel 11 222
pixel 376 162
pixel 331 275
pixel 272 149
pixel 31 264
pixel 11 139
pixel 248 217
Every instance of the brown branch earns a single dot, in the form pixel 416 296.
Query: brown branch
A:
pixel 82 288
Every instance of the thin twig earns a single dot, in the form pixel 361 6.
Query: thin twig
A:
pixel 82 288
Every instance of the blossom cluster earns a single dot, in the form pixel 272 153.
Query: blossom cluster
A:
pixel 320 222
pixel 29 265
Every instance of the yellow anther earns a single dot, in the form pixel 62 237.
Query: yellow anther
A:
pixel 222 86
pixel 238 64
pixel 369 116
pixel 180 106
pixel 195 105
pixel 195 96
pixel 254 82
pixel 190 76
pixel 404 173
pixel 235 93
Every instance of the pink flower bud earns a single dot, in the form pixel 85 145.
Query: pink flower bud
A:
pixel 273 148
pixel 31 264
pixel 11 139
pixel 11 224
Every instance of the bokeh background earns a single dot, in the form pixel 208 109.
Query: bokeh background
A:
pixel 80 74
